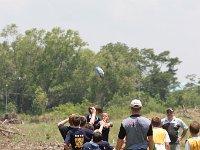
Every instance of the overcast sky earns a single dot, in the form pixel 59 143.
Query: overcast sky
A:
pixel 172 25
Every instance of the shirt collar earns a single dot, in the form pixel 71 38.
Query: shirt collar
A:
pixel 95 144
pixel 135 115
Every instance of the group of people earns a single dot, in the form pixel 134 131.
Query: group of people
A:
pixel 136 132
pixel 86 132
pixel 139 133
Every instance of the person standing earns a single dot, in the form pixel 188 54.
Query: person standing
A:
pixel 137 130
pixel 64 128
pixel 160 135
pixel 193 143
pixel 97 119
pixel 106 128
pixel 172 125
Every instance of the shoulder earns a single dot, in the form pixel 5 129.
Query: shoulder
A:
pixel 126 120
pixel 164 119
pixel 105 145
pixel 181 122
pixel 178 119
pixel 144 118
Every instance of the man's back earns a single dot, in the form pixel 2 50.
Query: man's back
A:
pixel 136 129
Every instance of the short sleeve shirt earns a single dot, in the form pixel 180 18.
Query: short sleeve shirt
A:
pixel 136 129
pixel 172 127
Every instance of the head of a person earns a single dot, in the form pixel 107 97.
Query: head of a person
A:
pixel 83 121
pixel 194 128
pixel 105 116
pixel 156 122
pixel 170 113
pixel 71 118
pixel 136 105
pixel 97 136
pixel 98 109
pixel 76 120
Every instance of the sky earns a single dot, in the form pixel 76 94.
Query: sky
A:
pixel 172 25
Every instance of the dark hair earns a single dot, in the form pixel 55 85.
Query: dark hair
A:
pixel 76 120
pixel 71 118
pixel 194 127
pixel 136 109
pixel 155 121
pixel 97 107
pixel 83 121
pixel 97 136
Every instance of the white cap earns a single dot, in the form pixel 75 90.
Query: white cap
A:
pixel 136 103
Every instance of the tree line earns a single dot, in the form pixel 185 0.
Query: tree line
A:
pixel 42 69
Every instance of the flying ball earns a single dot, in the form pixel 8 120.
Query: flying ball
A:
pixel 99 72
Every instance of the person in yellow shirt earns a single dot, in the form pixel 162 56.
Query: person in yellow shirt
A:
pixel 193 143
pixel 160 135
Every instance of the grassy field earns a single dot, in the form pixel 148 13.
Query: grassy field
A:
pixel 47 132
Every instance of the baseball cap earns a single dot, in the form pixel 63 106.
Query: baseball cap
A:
pixel 136 103
pixel 169 110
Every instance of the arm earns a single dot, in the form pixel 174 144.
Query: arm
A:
pixel 150 137
pixel 102 123
pixel 167 146
pixel 182 135
pixel 187 145
pixel 185 129
pixel 121 136
pixel 63 122
pixel 67 147
pixel 119 144
pixel 150 142
pixel 92 120
pixel 167 141
pixel 108 125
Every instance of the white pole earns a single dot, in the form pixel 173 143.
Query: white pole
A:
pixel 6 97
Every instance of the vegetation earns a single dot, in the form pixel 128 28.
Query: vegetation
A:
pixel 47 75
pixel 43 69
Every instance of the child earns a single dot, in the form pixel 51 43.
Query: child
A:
pixel 160 136
pixel 106 128
pixel 193 143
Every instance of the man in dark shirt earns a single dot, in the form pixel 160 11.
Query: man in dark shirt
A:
pixel 63 128
pixel 97 119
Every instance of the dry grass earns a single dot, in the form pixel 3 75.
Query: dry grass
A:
pixel 46 134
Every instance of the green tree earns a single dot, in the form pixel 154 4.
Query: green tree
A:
pixel 40 102
pixel 158 72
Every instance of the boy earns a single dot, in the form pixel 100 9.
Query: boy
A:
pixel 160 136
pixel 193 143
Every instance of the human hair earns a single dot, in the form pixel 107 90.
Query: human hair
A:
pixel 71 118
pixel 194 127
pixel 76 120
pixel 97 136
pixel 83 121
pixel 97 107
pixel 135 110
pixel 155 121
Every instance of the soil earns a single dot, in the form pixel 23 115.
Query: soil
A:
pixel 8 144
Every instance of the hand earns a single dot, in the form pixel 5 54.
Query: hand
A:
pixel 102 123
pixel 107 125
pixel 179 139
pixel 93 110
